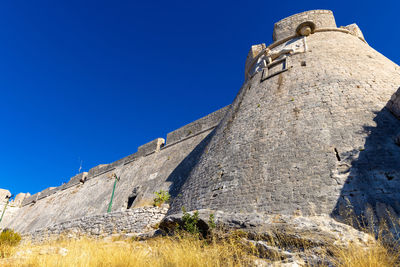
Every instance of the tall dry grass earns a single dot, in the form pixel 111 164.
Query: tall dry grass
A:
pixel 187 251
pixel 376 255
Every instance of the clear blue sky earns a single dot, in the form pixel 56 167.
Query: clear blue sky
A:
pixel 93 80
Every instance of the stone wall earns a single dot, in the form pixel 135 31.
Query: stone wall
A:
pixel 136 221
pixel 9 214
pixel 315 137
pixel 152 168
pixel 197 127
pixel 394 103
pixel 310 132
pixel 205 124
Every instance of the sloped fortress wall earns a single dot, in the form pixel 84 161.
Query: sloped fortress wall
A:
pixel 314 129
pixel 155 166
pixel 308 132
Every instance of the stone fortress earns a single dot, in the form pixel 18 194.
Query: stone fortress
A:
pixel 314 132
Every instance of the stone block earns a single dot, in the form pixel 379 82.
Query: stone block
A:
pixel 47 192
pixel 100 169
pixel 130 158
pixel 355 30
pixel 254 52
pixel 206 123
pixel 153 146
pixel 31 199
pixel 20 198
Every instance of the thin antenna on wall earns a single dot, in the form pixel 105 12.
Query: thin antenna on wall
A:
pixel 80 166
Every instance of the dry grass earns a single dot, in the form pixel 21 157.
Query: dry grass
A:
pixel 6 251
pixel 374 255
pixel 187 250
pixel 156 252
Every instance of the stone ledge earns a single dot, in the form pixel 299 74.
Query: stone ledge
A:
pixel 196 127
pixel 150 147
pixel 31 199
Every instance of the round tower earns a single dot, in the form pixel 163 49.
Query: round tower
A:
pixel 308 131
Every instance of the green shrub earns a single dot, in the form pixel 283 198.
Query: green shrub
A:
pixel 161 197
pixel 190 222
pixel 9 237
pixel 211 222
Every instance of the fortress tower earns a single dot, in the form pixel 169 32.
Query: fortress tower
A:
pixel 314 130
pixel 309 131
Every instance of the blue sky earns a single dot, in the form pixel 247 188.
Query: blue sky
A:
pixel 90 81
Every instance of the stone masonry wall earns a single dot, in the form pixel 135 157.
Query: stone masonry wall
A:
pixel 287 26
pixel 310 139
pixel 154 167
pixel 394 103
pixel 10 212
pixel 136 221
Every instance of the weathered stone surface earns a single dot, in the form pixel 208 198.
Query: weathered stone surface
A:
pixel 140 221
pixel 287 26
pixel 99 169
pixel 394 103
pixel 282 238
pixel 315 139
pixel 355 30
pixel 47 192
pixel 201 125
pixel 312 133
pixel 30 199
pixel 76 180
pixel 4 195
pixel 19 199
pixel 166 169
pixel 151 147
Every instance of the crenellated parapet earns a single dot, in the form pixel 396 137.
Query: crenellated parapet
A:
pixel 309 134
pixel 204 124
pixel 186 132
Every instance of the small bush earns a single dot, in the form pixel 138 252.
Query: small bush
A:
pixel 211 222
pixel 161 197
pixel 9 237
pixel 190 222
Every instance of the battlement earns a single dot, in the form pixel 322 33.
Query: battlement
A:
pixel 196 127
pixel 188 131
pixel 309 133
pixel 289 26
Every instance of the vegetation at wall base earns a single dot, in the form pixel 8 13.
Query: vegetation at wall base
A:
pixel 190 222
pixel 223 249
pixel 161 198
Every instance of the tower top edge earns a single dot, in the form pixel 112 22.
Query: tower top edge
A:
pixel 286 27
pixel 314 11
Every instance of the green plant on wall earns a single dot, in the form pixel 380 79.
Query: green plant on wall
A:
pixel 211 222
pixel 161 197
pixel 190 222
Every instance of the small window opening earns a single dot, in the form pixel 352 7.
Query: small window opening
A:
pixel 131 199
pixel 133 196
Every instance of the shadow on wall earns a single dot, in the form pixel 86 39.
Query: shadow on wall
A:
pixel 371 193
pixel 179 175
